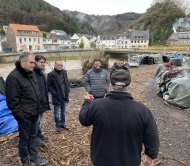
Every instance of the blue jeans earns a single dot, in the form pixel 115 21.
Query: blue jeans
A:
pixel 59 115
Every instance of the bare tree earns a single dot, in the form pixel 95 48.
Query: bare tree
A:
pixel 183 4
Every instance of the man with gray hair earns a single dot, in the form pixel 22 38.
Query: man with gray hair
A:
pixel 23 99
pixel 121 126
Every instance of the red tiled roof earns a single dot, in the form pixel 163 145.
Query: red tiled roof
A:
pixel 16 27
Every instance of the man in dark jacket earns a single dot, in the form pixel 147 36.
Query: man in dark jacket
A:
pixel 23 99
pixel 119 64
pixel 38 71
pixel 121 126
pixel 58 86
pixel 96 80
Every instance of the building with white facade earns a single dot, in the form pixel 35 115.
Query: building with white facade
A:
pixel 135 39
pixel 24 38
pixel 138 39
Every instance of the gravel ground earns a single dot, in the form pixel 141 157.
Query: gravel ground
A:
pixel 72 147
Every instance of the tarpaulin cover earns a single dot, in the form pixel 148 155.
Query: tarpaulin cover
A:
pixel 174 85
pixel 7 122
pixel 136 60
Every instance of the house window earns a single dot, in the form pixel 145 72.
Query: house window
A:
pixel 25 39
pixel 34 39
pixel 20 40
pixel 29 39
pixel 38 41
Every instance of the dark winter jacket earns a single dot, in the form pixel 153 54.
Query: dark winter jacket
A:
pixel 96 82
pixel 2 86
pixel 58 90
pixel 120 127
pixel 22 93
pixel 43 88
pixel 115 67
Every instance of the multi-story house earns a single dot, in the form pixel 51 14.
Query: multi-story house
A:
pixel 56 42
pixel 122 42
pixel 82 39
pixel 138 39
pixel 106 41
pixel 24 38
pixel 83 42
pixel 51 43
pixel 135 39
pixel 64 41
pixel 179 38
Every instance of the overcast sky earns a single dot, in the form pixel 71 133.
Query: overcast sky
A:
pixel 102 7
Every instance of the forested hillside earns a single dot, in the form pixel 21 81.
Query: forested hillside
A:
pixel 36 12
pixel 47 17
pixel 159 19
pixel 105 24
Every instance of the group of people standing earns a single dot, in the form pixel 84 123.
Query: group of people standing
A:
pixel 121 126
pixel 27 98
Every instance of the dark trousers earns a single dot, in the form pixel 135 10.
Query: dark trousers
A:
pixel 27 139
pixel 38 125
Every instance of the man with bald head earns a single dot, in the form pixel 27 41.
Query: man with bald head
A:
pixel 58 86
pixel 23 99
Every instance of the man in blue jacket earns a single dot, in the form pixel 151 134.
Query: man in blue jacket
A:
pixel 121 126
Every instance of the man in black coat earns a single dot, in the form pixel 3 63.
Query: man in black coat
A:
pixel 39 73
pixel 121 126
pixel 58 86
pixel 23 99
pixel 119 64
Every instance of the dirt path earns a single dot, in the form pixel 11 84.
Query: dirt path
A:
pixel 72 147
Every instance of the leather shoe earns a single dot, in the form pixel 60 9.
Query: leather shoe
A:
pixel 39 161
pixel 40 143
pixel 65 127
pixel 58 129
